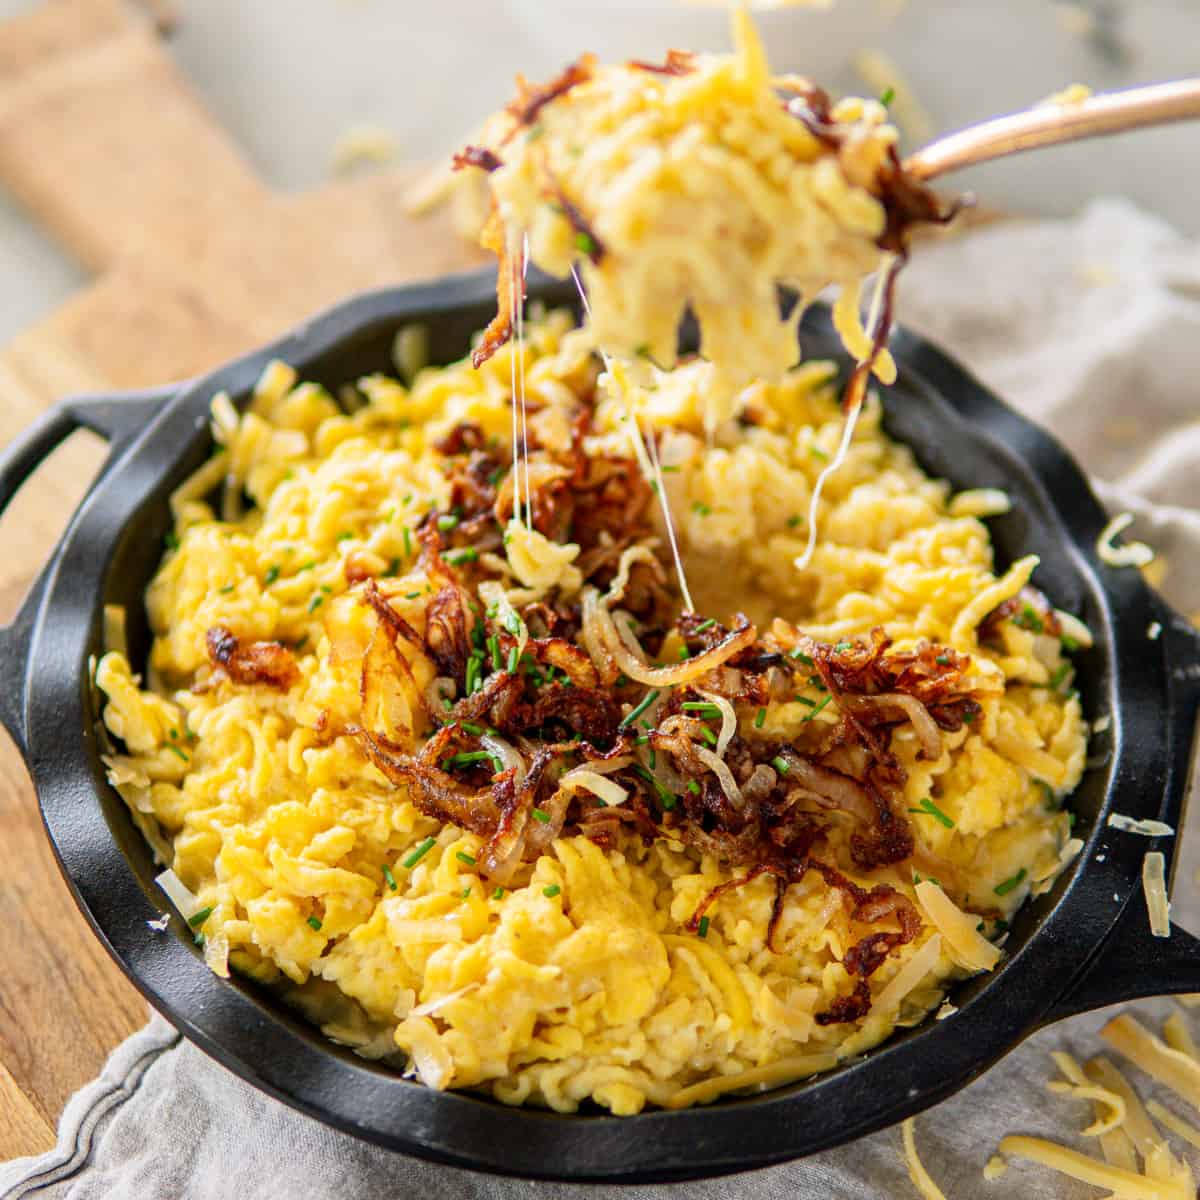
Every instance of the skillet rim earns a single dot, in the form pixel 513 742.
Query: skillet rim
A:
pixel 232 1023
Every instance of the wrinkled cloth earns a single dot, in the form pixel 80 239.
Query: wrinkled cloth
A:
pixel 1093 327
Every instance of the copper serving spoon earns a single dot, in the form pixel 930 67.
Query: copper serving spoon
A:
pixel 1053 124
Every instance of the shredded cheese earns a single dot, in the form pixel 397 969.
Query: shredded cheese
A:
pixel 916 1169
pixel 1177 1125
pixel 996 1166
pixel 910 975
pixel 980 502
pixel 966 945
pixel 1154 884
pixel 1134 554
pixel 1075 1084
pixel 1084 1167
pixel 1146 828
pixel 178 893
pixel 1150 1054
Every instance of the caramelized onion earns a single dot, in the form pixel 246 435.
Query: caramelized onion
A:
pixel 728 720
pixel 507 754
pixel 598 622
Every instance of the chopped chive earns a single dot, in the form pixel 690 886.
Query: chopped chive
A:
pixel 642 739
pixel 308 566
pixel 1002 889
pixel 817 682
pixel 842 647
pixel 472 678
pixel 929 809
pixel 198 918
pixel 471 728
pixel 447 522
pixel 705 707
pixel 708 735
pixel 780 764
pixel 513 659
pixel 465 893
pixel 665 797
pixel 1047 792
pixel 585 243
pixel 172 540
pixel 498 894
pixel 672 469
pixel 887 96
pixel 178 752
pixel 199 940
pixel 1028 618
pixel 1069 644
pixel 818 708
pixel 818 453
pixel 702 928
pixel 684 653
pixel 411 595
pixel 1070 820
pixel 942 660
pixel 759 718
pixel 551 891
pixel 493 645
pixel 497 475
pixel 1064 669
pixel 174 735
pixel 270 577
pixel 447 703
pixel 643 704
pixel 227 589
pixel 540 814
pixel 806 700
pixel 794 520
pixel 799 654
pixel 315 603
pixel 315 922
pixel 464 554
pixel 407 535
pixel 467 759
pixel 389 878
pixel 394 570
pixel 464 857
pixel 344 536
pixel 701 509
pixel 418 852
pixel 706 624
pixel 653 758
pixel 969 715
pixel 693 787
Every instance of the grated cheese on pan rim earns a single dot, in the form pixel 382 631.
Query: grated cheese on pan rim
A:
pixel 1132 554
pixel 1154 884
pixel 1146 827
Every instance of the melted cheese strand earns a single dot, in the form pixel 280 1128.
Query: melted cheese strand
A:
pixel 889 266
pixel 650 466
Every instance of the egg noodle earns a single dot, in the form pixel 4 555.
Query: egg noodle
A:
pixel 476 795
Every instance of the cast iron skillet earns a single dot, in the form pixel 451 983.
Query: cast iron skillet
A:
pixel 1084 944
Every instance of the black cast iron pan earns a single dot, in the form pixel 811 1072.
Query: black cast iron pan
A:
pixel 1084 944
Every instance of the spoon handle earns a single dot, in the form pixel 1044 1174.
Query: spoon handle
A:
pixel 1052 124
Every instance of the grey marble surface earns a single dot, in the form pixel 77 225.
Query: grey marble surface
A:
pixel 288 77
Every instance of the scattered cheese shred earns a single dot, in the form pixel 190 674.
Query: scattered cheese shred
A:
pixel 1147 828
pixel 1154 884
pixel 1135 554
pixel 1077 1086
pixel 916 1169
pixel 1137 1126
pixel 996 1166
pixel 178 893
pixel 1126 1184
pixel 1177 1125
pixel 1189 999
pixel 959 930
pixel 980 502
pixel 1150 1054
pixel 1177 1035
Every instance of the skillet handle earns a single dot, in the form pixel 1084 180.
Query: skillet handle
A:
pixel 1132 963
pixel 119 420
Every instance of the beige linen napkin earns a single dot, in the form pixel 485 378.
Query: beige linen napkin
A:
pixel 1093 327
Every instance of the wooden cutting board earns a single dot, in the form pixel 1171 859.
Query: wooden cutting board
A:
pixel 193 259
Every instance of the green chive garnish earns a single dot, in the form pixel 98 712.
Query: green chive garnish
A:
pixel 693 787
pixel 706 624
pixel 927 808
pixel 447 522
pixel 643 704
pixel 794 520
pixel 464 554
pixel 227 589
pixel 407 535
pixel 315 603
pixel 178 752
pixel 780 764
pixel 315 922
pixel 464 857
pixel 818 453
pixel 708 735
pixel 806 700
pixel 540 814
pixel 465 893
pixel 702 928
pixel 1064 669
pixel 198 918
pixel 760 717
pixel 585 243
pixel 665 797
pixel 701 509
pixel 1069 644
pixel 498 894
pixel 513 660
pixel 1002 889
pixel 818 708
pixel 394 570
pixel 799 654
pixel 551 891
pixel 389 877
pixel 418 852
pixel 471 728
pixel 172 540
pixel 1027 618
pixel 942 660
pixel 887 96
pixel 270 577
pixel 704 707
